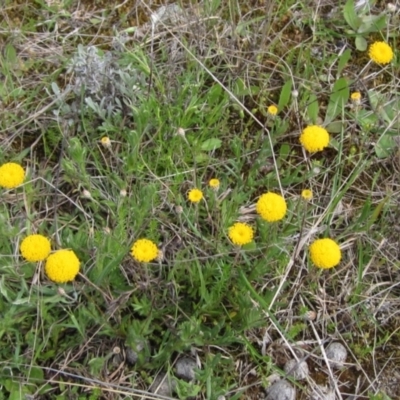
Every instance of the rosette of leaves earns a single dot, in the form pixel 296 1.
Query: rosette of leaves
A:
pixel 362 23
pixel 108 81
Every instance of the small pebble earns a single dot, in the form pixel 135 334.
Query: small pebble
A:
pixel 337 354
pixel 163 385
pixel 298 370
pixel 281 390
pixel 133 352
pixel 184 368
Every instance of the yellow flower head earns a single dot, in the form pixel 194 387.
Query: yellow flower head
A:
pixel 271 207
pixel 307 194
pixel 35 248
pixel 105 141
pixel 214 183
pixel 314 138
pixel 241 233
pixel 272 110
pixel 325 253
pixel 381 53
pixel 144 250
pixel 195 195
pixel 356 98
pixel 11 175
pixel 62 266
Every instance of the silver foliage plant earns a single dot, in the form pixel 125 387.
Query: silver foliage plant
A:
pixel 106 87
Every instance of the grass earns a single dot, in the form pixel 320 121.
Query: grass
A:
pixel 183 103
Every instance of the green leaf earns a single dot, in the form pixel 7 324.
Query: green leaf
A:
pixel 10 54
pixel 335 127
pixel 361 43
pixel 390 113
pixel 211 144
pixel 313 108
pixel 285 95
pixel 284 151
pixel 186 389
pixel 338 99
pixel 349 13
pixel 343 60
pixel 95 21
pixel 385 146
pixel 202 158
pixel 377 212
pixel 372 23
pixel 36 374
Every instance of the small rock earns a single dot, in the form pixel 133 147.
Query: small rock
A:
pixel 138 350
pixel 299 370
pixel 281 390
pixel 336 354
pixel 184 368
pixel 163 385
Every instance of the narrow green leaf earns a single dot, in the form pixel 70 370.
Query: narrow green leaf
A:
pixel 349 13
pixel 285 95
pixel 284 151
pixel 343 60
pixel 10 54
pixel 377 211
pixel 338 99
pixel 313 108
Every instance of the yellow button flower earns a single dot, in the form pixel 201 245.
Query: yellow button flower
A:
pixel 11 175
pixel 105 141
pixel 356 98
pixel 62 266
pixel 272 110
pixel 381 53
pixel 195 195
pixel 307 194
pixel 214 183
pixel 314 138
pixel 35 248
pixel 144 250
pixel 240 233
pixel 271 207
pixel 325 253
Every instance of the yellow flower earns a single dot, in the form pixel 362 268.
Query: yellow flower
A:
pixel 241 233
pixel 144 250
pixel 62 266
pixel 381 53
pixel 356 98
pixel 307 194
pixel 105 141
pixel 325 253
pixel 271 207
pixel 272 110
pixel 214 183
pixel 195 195
pixel 35 248
pixel 314 138
pixel 11 175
